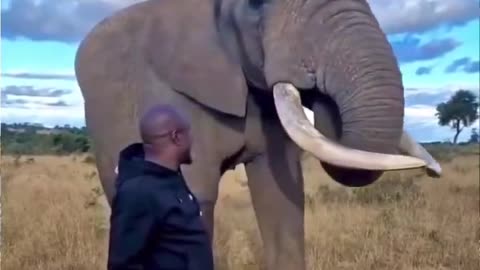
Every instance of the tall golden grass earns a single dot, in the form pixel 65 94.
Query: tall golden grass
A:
pixel 55 217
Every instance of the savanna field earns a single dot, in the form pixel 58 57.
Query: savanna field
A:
pixel 55 217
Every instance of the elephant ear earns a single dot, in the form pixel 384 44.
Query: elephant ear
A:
pixel 184 50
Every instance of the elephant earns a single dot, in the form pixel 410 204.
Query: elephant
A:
pixel 242 71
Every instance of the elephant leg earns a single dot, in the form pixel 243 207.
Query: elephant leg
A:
pixel 111 129
pixel 276 187
pixel 203 179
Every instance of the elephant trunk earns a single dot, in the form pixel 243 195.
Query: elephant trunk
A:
pixel 363 79
pixel 360 73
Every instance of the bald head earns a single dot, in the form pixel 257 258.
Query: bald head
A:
pixel 159 121
pixel 165 135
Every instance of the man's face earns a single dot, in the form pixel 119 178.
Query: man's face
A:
pixel 184 144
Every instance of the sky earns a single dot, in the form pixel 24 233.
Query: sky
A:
pixel 436 43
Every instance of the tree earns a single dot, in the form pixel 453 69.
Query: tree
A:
pixel 459 112
pixel 26 141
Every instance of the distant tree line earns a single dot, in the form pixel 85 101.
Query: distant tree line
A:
pixel 460 111
pixel 35 139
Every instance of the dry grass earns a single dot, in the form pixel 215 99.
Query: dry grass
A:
pixel 50 220
pixel 55 218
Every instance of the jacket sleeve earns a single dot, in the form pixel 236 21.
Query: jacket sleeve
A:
pixel 131 223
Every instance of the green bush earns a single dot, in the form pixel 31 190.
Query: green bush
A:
pixel 25 139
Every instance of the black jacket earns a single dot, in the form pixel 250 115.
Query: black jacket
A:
pixel 155 221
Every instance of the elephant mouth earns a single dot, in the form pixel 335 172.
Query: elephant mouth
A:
pixel 306 136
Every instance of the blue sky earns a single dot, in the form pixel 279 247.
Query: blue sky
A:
pixel 436 43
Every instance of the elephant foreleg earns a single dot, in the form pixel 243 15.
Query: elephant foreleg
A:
pixel 203 180
pixel 276 186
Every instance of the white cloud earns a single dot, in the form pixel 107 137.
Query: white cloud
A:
pixel 422 122
pixel 38 113
pixel 42 75
pixel 400 16
pixel 16 71
pixel 420 115
pixel 68 21
pixel 449 88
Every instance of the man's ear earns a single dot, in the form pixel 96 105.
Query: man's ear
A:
pixel 175 136
pixel 185 51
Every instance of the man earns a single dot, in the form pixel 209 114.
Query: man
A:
pixel 156 221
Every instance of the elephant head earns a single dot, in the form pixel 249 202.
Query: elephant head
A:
pixel 333 48
pixel 337 49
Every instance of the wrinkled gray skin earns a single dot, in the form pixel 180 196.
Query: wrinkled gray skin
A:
pixel 217 62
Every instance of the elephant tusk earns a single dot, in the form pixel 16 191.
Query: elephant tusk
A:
pixel 410 147
pixel 302 132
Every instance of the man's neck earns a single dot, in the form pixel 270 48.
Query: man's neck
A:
pixel 164 162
